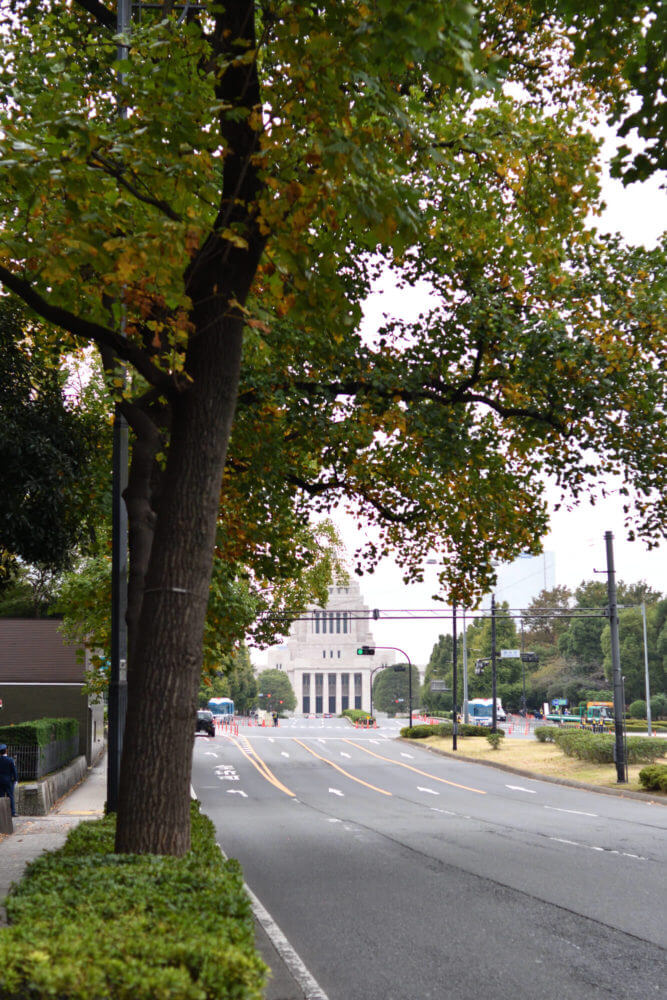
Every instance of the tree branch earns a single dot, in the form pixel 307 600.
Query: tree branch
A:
pixel 101 162
pixel 87 330
pixel 101 13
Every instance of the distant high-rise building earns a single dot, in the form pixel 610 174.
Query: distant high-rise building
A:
pixel 320 655
pixel 522 580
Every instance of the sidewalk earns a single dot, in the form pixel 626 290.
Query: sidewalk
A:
pixel 35 834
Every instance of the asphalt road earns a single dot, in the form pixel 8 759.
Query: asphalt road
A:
pixel 400 875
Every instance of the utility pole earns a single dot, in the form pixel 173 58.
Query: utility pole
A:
pixel 523 673
pixel 494 708
pixel 465 671
pixel 117 708
pixel 619 707
pixel 455 716
pixel 646 680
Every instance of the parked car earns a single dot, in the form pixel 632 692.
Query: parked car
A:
pixel 205 722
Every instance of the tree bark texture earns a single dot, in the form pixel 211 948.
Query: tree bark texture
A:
pixel 154 793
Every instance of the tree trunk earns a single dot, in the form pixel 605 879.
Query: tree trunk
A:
pixel 154 792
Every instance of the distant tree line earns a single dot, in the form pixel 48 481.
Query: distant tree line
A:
pixel 569 635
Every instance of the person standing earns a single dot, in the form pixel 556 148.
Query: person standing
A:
pixel 8 776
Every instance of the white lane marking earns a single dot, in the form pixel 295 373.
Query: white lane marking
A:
pixel 348 755
pixel 336 791
pixel 430 791
pixel 236 791
pixel 574 812
pixel 209 753
pixel 593 847
pixel 284 753
pixel 408 755
pixel 520 788
pixel 311 988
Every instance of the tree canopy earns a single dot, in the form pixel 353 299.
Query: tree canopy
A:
pixel 54 452
pixel 217 240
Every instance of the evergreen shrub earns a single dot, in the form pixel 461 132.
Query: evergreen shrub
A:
pixel 545 734
pixel 654 777
pixel 88 924
pixel 599 747
pixel 470 730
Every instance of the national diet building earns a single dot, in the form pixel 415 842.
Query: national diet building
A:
pixel 320 655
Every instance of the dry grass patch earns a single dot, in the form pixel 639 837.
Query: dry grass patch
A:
pixel 540 759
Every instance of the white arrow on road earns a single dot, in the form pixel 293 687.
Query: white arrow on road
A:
pixel 575 812
pixel 348 755
pixel 520 788
pixel 284 753
pixel 408 755
pixel 336 791
pixel 429 790
pixel 209 753
pixel 236 791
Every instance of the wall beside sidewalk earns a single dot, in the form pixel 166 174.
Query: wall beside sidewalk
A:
pixel 37 798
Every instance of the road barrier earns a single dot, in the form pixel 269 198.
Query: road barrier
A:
pixel 227 727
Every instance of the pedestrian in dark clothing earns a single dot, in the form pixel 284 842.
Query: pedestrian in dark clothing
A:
pixel 8 776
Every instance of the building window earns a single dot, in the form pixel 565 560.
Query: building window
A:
pixel 324 654
pixel 317 621
pixel 338 622
pixel 319 685
pixel 331 654
pixel 305 690
pixel 332 693
pixel 357 690
pixel 345 622
pixel 339 654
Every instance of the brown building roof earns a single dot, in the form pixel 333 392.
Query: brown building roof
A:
pixel 32 649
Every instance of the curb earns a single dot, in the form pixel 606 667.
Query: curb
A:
pixel 624 793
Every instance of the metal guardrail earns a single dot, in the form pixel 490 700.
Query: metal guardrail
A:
pixel 34 762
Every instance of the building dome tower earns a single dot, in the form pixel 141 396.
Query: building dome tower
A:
pixel 320 655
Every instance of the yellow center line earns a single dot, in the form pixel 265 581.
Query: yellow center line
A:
pixel 360 781
pixel 399 763
pixel 263 768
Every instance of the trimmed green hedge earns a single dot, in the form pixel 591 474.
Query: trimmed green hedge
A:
pixel 599 747
pixel 357 715
pixel 654 777
pixel 39 732
pixel 637 725
pixel 422 732
pixel 545 734
pixel 87 924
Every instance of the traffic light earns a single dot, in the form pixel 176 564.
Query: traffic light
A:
pixel 399 668
pixel 366 651
pixel 480 664
pixel 530 657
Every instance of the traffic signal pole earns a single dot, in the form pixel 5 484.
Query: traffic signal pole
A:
pixel 494 708
pixel 370 651
pixel 619 699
